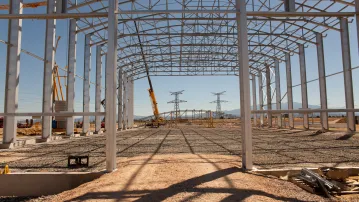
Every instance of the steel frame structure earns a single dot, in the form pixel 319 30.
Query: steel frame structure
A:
pixel 185 38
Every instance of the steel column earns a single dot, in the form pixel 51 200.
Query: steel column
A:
pixel 246 127
pixel 289 89
pixel 98 89
pixel 131 105
pixel 86 85
pixel 47 100
pixel 303 81
pixel 278 92
pixel 322 82
pixel 254 99
pixel 260 83
pixel 12 73
pixel 348 82
pixel 71 69
pixel 125 101
pixel 357 19
pixel 120 99
pixel 269 95
pixel 111 84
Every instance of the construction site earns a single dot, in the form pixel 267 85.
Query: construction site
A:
pixel 70 128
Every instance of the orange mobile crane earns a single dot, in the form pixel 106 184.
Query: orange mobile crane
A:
pixel 157 121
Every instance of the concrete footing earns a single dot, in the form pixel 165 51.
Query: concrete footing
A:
pixel 87 134
pixel 41 140
pixel 18 143
pixel 42 184
pixel 98 132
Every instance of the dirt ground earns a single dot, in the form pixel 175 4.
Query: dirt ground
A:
pixel 271 148
pixel 183 177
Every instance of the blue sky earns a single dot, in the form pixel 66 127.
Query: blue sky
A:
pixel 197 89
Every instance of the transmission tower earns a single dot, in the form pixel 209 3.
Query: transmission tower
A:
pixel 176 102
pixel 219 112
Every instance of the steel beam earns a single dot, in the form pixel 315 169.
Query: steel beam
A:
pixel 322 82
pixel 348 82
pixel 269 95
pixel 278 92
pixel 47 100
pixel 245 102
pixel 12 73
pixel 254 98
pixel 289 89
pixel 98 89
pixel 71 70
pixel 111 84
pixel 260 83
pixel 120 99
pixel 303 81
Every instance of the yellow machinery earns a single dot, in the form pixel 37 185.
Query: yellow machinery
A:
pixel 157 121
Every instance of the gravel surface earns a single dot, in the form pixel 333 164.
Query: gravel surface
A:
pixel 183 177
pixel 272 148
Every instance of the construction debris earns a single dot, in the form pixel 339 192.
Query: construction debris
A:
pixel 327 181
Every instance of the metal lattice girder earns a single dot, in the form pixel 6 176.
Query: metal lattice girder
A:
pixel 201 23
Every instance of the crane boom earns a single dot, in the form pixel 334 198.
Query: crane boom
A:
pixel 150 90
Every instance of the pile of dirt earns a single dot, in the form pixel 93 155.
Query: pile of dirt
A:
pixel 342 120
pixel 184 177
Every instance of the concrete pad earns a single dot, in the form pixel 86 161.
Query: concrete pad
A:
pixel 52 138
pixel 86 134
pixel 7 145
pixel 43 183
pixel 98 132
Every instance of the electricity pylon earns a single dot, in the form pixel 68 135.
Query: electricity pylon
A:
pixel 219 112
pixel 176 102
